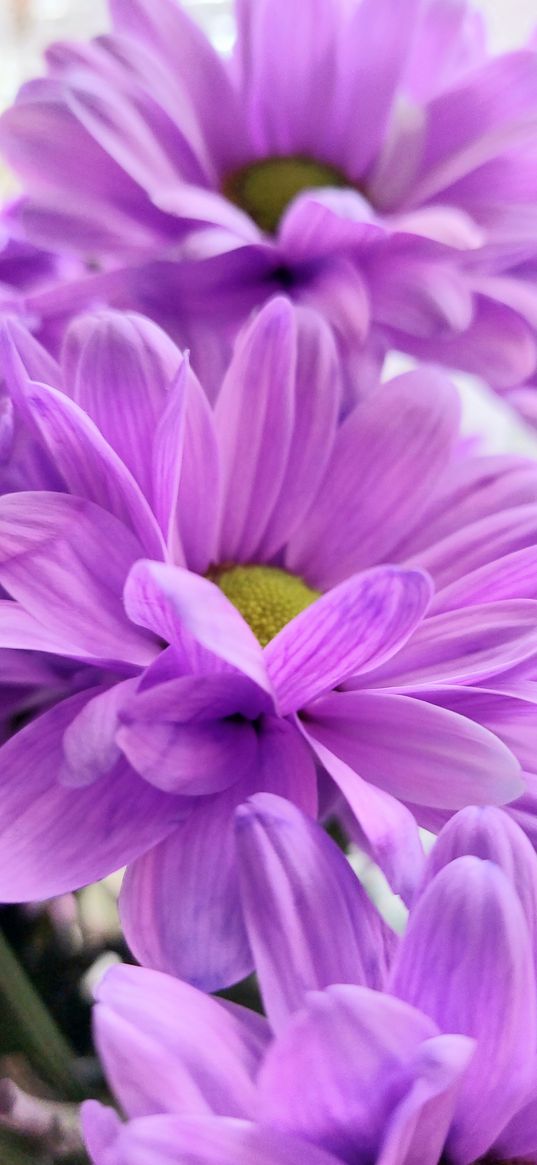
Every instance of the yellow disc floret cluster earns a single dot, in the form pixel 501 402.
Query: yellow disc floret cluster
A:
pixel 266 597
pixel 264 189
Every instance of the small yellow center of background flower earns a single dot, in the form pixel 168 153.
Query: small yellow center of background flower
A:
pixel 265 189
pixel 266 597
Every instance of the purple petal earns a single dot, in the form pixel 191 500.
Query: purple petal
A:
pixel 181 51
pixel 172 1140
pixel 479 543
pixel 499 345
pixel 417 1130
pixel 170 601
pixel 512 577
pixel 88 464
pixel 186 473
pixel 470 123
pixel 118 368
pixel 473 488
pixel 387 830
pixel 309 921
pixel 90 831
pixel 24 358
pixel 491 835
pixel 416 751
pixel 389 453
pixel 40 136
pixel 519 1139
pixel 101 1127
pixel 337 1071
pixel 256 398
pixel 90 747
pixel 66 560
pixel 464 646
pixel 199 934
pixel 189 758
pixel 316 402
pixel 466 961
pixel 166 1047
pixel 351 629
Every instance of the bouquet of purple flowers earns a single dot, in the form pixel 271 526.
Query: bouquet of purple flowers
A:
pixel 268 613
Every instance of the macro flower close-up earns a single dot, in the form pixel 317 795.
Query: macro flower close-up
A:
pixel 268 582
pixel 374 1047
pixel 211 579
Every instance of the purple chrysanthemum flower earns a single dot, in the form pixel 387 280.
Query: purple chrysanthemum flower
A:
pixel 376 1049
pixel 216 579
pixel 368 158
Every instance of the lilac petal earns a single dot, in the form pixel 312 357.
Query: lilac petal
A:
pixel 372 56
pixel 172 1140
pixel 512 577
pixel 90 747
pixel 257 396
pixel 285 112
pixel 493 836
pixel 89 465
pixel 23 357
pixel 420 298
pixel 182 51
pixel 90 831
pixel 473 488
pixel 65 560
pixel 389 453
pixel 169 601
pixel 186 473
pixel 166 1047
pixel 292 876
pixel 449 39
pixel 483 541
pixel 118 368
pixel 464 646
pixel 117 125
pixel 198 933
pixel 342 1063
pixel 327 224
pixel 193 735
pixel 19 630
pixel 470 124
pixel 189 758
pixel 416 751
pixel 416 1133
pixel 351 629
pixel 193 699
pixel 499 345
pixel 129 68
pixel 519 1139
pixel 40 135
pixel 101 1127
pixel 466 961
pixel 317 399
pixel 388 831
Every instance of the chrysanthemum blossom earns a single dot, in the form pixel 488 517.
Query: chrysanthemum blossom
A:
pixel 368 157
pixel 375 1048
pixel 241 594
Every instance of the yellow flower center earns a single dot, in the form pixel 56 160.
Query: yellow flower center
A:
pixel 266 597
pixel 265 189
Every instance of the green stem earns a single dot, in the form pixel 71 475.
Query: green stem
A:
pixel 32 1029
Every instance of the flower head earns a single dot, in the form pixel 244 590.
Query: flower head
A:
pixel 375 1048
pixel 369 158
pixel 240 594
